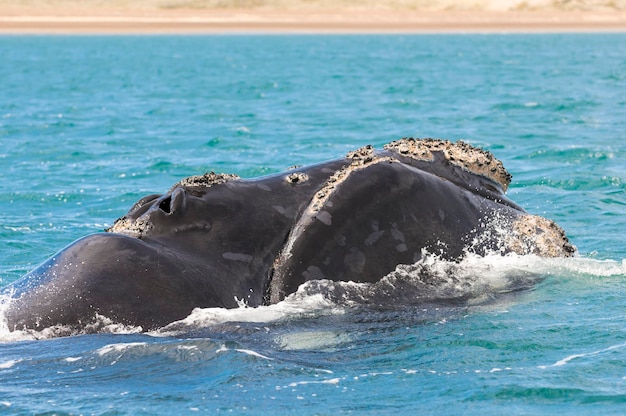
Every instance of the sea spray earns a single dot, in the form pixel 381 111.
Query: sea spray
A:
pixel 430 282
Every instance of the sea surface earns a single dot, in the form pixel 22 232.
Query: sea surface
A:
pixel 89 124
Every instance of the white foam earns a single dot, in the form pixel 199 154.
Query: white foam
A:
pixel 5 334
pixel 101 324
pixel 296 305
pixel 8 364
pixel 567 359
pixel 591 267
pixel 335 380
pixel 117 348
pixel 473 279
pixel 252 353
pixel 104 324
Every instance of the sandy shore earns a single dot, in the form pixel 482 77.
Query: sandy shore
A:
pixel 102 20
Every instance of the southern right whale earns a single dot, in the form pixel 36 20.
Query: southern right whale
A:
pixel 214 239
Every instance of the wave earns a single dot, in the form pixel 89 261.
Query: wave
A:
pixel 430 282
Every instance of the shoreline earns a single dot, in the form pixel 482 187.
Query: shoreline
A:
pixel 224 21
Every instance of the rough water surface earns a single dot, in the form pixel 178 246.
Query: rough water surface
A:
pixel 89 125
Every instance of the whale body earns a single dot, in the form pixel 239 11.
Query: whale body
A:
pixel 216 240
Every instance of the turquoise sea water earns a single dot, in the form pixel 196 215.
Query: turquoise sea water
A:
pixel 88 125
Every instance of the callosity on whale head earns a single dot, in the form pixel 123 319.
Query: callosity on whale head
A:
pixel 215 240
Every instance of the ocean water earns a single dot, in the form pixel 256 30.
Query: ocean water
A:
pixel 90 124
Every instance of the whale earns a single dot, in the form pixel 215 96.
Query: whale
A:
pixel 217 240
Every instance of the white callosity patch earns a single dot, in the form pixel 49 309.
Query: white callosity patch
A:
pixel 133 227
pixel 207 180
pixel 296 178
pixel 138 227
pixel 359 159
pixel 525 234
pixel 461 154
pixel 532 234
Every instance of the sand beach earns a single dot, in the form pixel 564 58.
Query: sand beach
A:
pixel 302 16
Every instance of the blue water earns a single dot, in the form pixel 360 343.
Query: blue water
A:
pixel 88 125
